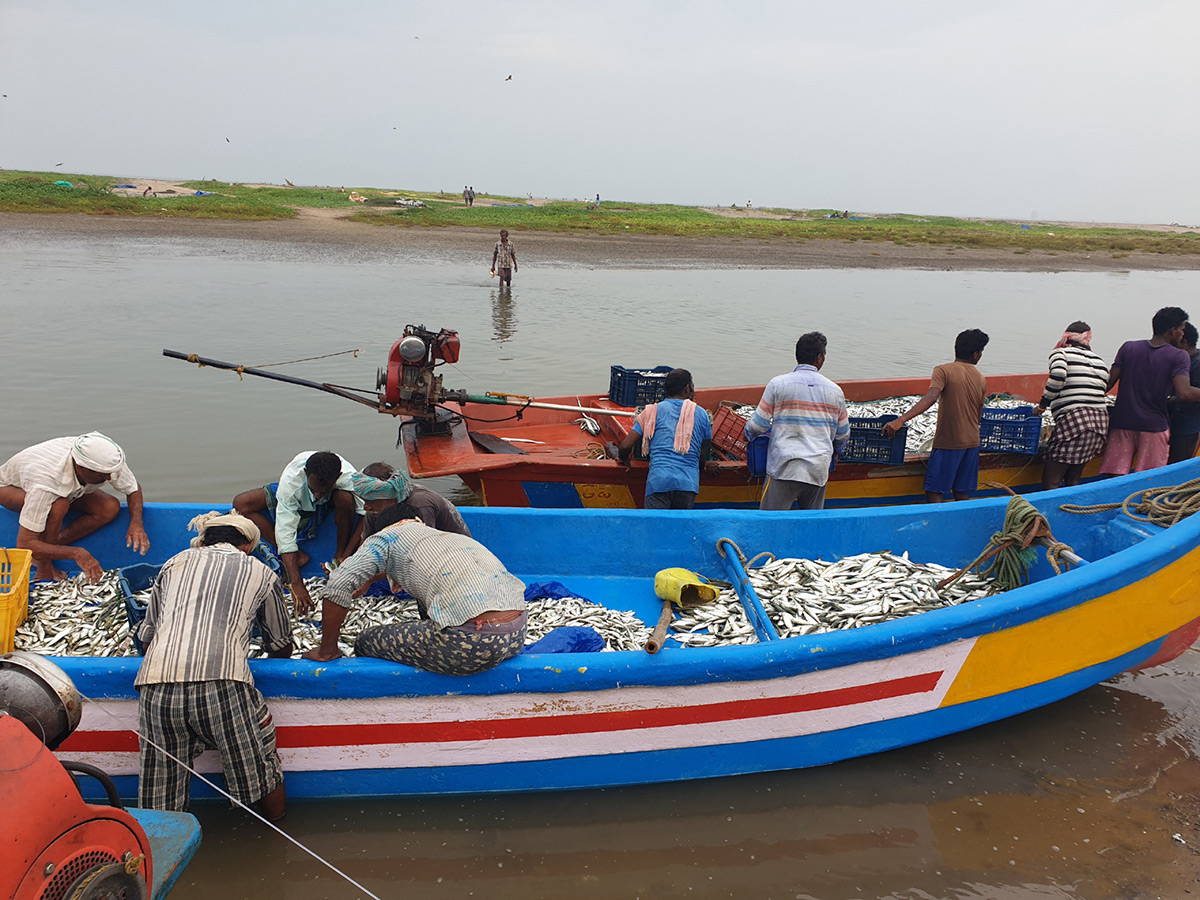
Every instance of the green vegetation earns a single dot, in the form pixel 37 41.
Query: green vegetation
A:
pixel 37 192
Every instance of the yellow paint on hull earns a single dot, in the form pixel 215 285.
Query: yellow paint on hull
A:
pixel 1093 632
pixel 605 496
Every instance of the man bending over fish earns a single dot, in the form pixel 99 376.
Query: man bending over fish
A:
pixel 45 481
pixel 195 687
pixel 472 609
pixel 310 480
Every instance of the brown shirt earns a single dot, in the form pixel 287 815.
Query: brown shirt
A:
pixel 963 389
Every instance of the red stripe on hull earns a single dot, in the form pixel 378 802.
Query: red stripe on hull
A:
pixel 296 736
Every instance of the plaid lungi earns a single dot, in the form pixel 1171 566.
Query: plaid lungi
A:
pixel 187 718
pixel 458 650
pixel 1078 436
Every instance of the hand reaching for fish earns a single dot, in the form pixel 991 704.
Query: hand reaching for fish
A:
pixel 138 539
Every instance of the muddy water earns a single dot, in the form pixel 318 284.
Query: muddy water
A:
pixel 1081 800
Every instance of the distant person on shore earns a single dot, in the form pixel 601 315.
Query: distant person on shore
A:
pixel 806 413
pixel 310 480
pixel 1148 372
pixel 471 195
pixel 44 482
pixel 1185 417
pixel 959 389
pixel 466 196
pixel 676 436
pixel 504 259
pixel 1074 393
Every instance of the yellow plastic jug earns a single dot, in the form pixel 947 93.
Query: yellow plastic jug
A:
pixel 683 587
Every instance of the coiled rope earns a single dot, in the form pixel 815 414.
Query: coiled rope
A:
pixel 1011 548
pixel 1162 506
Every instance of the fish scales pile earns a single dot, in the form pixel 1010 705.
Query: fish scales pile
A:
pixel 723 621
pixel 621 629
pixel 920 428
pixel 74 618
pixel 805 596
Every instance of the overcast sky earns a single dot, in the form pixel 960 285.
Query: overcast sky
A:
pixel 1053 110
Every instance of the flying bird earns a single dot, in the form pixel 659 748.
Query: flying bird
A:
pixel 227 140
pixel 509 78
pixel 56 165
pixel 288 183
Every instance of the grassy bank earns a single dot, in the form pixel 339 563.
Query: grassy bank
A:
pixel 38 192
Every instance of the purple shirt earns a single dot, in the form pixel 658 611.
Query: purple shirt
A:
pixel 1147 373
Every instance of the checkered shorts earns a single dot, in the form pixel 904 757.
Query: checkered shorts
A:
pixel 186 719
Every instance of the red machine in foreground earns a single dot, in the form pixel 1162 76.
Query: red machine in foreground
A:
pixel 56 845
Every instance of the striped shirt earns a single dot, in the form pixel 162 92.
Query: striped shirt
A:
pixel 45 472
pixel 453 577
pixel 1078 377
pixel 204 603
pixel 294 496
pixel 806 413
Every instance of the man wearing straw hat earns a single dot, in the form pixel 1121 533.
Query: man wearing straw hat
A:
pixel 45 481
pixel 195 688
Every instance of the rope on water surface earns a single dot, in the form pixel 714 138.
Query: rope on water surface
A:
pixel 1162 506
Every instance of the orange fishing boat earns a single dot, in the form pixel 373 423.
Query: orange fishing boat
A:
pixel 543 458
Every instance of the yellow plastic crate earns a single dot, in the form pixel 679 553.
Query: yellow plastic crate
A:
pixel 14 593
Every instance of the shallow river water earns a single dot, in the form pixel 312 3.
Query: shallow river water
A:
pixel 1094 797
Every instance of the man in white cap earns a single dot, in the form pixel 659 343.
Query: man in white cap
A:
pixel 45 481
pixel 195 687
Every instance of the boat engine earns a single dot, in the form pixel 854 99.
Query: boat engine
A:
pixel 410 385
pixel 56 846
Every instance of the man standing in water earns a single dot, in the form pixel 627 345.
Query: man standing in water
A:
pixel 504 259
pixel 959 390
pixel 45 481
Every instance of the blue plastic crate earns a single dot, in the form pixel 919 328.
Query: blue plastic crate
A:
pixel 868 445
pixel 756 454
pixel 637 387
pixel 134 579
pixel 1009 430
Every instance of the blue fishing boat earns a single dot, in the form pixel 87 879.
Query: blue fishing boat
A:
pixel 546 721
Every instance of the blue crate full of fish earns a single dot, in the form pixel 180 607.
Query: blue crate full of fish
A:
pixel 868 445
pixel 1015 430
pixel 637 387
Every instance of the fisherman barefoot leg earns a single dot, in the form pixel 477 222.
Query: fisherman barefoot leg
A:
pixel 274 804
pixel 95 511
pixel 253 505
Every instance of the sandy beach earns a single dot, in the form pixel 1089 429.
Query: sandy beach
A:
pixel 334 227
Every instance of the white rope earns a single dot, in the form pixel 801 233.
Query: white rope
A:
pixel 237 802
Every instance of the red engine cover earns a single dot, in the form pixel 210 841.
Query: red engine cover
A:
pixel 47 825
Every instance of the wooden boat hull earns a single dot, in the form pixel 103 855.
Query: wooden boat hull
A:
pixel 553 472
pixel 564 721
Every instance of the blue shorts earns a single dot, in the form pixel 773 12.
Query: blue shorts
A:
pixel 952 470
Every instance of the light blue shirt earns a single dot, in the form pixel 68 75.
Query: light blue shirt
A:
pixel 806 413
pixel 294 496
pixel 671 471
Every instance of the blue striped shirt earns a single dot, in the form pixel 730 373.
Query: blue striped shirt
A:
pixel 806 413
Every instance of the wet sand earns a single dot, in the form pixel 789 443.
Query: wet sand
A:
pixel 332 227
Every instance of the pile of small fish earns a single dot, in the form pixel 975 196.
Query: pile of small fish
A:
pixel 74 618
pixel 723 621
pixel 621 630
pixel 805 596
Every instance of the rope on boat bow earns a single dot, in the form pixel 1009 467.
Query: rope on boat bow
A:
pixel 1012 547
pixel 746 563
pixel 1157 506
